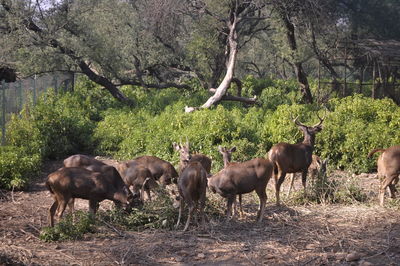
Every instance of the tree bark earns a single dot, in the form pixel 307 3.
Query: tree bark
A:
pixel 300 74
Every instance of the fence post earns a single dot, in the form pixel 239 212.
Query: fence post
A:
pixel 21 100
pixel 34 89
pixel 3 113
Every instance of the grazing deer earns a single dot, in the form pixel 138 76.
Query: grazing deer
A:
pixel 185 157
pixel 138 177
pixel 192 184
pixel 68 183
pixel 388 170
pixel 227 157
pixel 293 158
pixel 241 178
pixel 316 168
pixel 160 170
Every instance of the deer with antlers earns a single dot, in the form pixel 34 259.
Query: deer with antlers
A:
pixel 293 158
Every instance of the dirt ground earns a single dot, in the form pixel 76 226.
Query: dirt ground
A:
pixel 358 234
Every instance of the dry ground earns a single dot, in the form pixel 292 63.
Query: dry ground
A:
pixel 289 235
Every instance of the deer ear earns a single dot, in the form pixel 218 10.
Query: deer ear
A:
pixel 176 146
pixel 233 149
pixel 220 149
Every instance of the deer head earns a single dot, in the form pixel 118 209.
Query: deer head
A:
pixel 309 131
pixel 226 154
pixel 184 151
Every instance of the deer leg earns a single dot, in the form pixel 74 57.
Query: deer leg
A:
pixel 61 208
pixel 392 187
pixel 201 210
pixel 181 206
pixel 304 180
pixel 52 211
pixel 263 199
pixel 191 208
pixel 240 206
pixel 292 177
pixel 384 184
pixel 278 184
pixel 230 201
pixel 148 194
pixel 93 206
pixel 71 204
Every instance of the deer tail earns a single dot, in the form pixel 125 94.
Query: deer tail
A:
pixel 373 151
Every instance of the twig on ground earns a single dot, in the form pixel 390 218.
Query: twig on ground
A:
pixel 113 228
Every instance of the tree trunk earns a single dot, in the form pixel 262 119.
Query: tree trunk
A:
pixel 226 82
pixel 300 74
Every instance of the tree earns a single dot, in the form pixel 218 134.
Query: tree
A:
pixel 235 18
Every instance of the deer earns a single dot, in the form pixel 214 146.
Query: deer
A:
pixel 293 158
pixel 138 177
pixel 80 160
pixel 388 170
pixel 241 178
pixel 185 157
pixel 161 170
pixel 192 185
pixel 227 157
pixel 68 183
pixel 316 168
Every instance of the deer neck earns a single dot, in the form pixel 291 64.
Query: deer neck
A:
pixel 309 140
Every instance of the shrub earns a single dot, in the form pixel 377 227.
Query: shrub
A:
pixel 356 126
pixel 66 229
pixel 17 167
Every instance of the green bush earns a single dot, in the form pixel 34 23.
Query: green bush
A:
pixel 356 126
pixel 17 167
pixel 67 229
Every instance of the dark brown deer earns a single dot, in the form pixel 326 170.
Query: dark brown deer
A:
pixel 185 157
pixel 227 157
pixel 293 158
pixel 161 170
pixel 80 160
pixel 388 170
pixel 138 177
pixel 316 168
pixel 192 185
pixel 68 183
pixel 241 178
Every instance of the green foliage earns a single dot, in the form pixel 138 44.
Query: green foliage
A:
pixel 356 126
pixel 158 213
pixel 330 189
pixel 67 229
pixel 17 166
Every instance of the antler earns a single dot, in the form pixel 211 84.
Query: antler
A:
pixel 321 119
pixel 296 121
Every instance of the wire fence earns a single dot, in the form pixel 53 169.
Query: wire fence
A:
pixel 14 95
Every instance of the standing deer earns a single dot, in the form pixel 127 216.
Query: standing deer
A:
pixel 185 157
pixel 138 177
pixel 68 183
pixel 192 184
pixel 227 157
pixel 161 170
pixel 388 170
pixel 316 168
pixel 293 158
pixel 241 178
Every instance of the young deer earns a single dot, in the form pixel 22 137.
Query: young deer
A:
pixel 316 168
pixel 192 184
pixel 293 158
pixel 388 170
pixel 185 157
pixel 227 157
pixel 241 178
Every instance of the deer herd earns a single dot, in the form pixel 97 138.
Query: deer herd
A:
pixel 88 178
